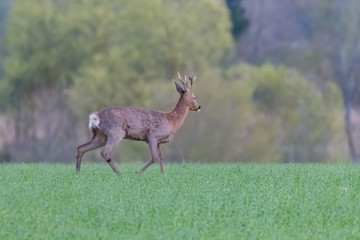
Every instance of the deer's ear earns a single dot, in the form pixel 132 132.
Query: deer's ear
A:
pixel 179 88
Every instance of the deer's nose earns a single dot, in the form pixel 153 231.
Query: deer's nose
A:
pixel 198 110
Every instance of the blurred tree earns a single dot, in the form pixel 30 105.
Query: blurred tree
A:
pixel 237 15
pixel 66 59
pixel 30 90
pixel 335 35
pixel 4 8
pixel 29 65
pixel 303 118
pixel 347 61
pixel 260 114
pixel 319 38
pixel 155 43
pixel 91 54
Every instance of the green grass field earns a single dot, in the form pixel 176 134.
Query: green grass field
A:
pixel 191 201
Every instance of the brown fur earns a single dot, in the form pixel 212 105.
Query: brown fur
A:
pixel 153 127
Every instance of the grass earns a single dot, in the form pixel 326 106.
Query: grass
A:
pixel 191 201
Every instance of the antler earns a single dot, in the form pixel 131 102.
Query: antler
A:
pixel 187 82
pixel 180 78
pixel 192 78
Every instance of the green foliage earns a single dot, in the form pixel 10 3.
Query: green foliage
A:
pixel 28 64
pixel 190 202
pixel 95 54
pixel 54 44
pixel 301 119
pixel 212 131
pixel 87 55
pixel 261 114
pixel 131 54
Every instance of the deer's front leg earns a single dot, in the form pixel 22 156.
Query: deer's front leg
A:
pixel 161 159
pixel 153 146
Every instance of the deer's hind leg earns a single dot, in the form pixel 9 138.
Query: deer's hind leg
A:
pixel 98 140
pixel 114 138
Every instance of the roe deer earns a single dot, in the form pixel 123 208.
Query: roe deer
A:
pixel 111 125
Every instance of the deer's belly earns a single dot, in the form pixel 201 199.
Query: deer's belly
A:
pixel 136 135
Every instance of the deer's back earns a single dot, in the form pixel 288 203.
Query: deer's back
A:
pixel 138 124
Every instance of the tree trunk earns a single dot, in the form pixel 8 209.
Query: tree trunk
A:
pixel 349 131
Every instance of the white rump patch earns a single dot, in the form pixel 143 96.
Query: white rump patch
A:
pixel 94 121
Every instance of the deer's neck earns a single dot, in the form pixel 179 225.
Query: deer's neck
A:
pixel 177 116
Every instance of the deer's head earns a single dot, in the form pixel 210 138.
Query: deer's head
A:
pixel 186 93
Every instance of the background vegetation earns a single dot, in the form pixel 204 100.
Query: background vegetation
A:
pixel 278 80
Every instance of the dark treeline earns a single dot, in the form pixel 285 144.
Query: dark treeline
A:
pixel 277 80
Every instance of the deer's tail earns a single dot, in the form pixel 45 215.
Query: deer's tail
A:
pixel 94 122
